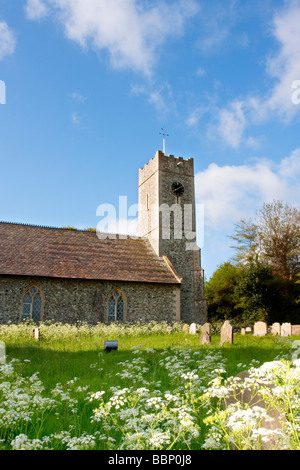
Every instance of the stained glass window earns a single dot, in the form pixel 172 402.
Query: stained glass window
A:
pixel 32 305
pixel 120 309
pixel 111 309
pixel 116 307
pixel 36 308
pixel 26 307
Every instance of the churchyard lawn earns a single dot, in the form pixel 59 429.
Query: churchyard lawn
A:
pixel 160 390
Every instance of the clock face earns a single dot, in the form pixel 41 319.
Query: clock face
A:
pixel 177 189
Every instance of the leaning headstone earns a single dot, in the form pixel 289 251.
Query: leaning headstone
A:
pixel 286 329
pixel 193 329
pixel 186 328
pixel 260 328
pixel 206 328
pixel 276 329
pixel 205 338
pixel 226 333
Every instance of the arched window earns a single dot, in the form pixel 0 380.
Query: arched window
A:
pixel 116 306
pixel 32 304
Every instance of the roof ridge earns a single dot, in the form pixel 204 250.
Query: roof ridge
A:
pixel 87 230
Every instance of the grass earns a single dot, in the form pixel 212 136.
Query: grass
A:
pixel 61 361
pixel 61 357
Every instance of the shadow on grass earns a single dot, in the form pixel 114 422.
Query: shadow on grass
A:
pixel 61 361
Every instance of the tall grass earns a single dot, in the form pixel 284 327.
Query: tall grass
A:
pixel 69 393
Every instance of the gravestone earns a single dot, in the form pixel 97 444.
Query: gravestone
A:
pixel 226 333
pixel 286 329
pixel 296 330
pixel 205 337
pixel 186 328
pixel 260 328
pixel 276 329
pixel 193 329
pixel 248 329
pixel 35 333
pixel 243 331
pixel 206 328
pixel 276 417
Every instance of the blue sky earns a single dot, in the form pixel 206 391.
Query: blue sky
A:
pixel 90 83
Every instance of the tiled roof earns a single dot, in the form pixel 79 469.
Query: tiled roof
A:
pixel 27 250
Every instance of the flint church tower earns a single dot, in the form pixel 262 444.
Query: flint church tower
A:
pixel 167 218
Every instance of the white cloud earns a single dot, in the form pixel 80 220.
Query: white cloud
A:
pixel 160 95
pixel 75 118
pixel 232 123
pixel 230 193
pixel 200 72
pixel 36 9
pixel 254 142
pixel 283 68
pixel 129 30
pixel 290 166
pixel 78 97
pixel 7 40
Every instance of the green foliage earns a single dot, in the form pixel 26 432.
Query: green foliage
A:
pixel 251 293
pixel 220 293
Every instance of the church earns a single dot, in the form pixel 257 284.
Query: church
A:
pixel 68 276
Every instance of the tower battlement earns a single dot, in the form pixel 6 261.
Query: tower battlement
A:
pixel 177 165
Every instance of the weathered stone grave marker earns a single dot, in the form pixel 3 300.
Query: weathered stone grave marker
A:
pixel 226 333
pixel 205 337
pixel 276 329
pixel 275 417
pixel 286 329
pixel 260 328
pixel 193 329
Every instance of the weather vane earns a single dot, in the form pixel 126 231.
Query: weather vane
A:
pixel 164 134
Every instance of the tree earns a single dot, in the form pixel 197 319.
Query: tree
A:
pixel 220 293
pixel 280 237
pixel 273 240
pixel 253 293
pixel 247 242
